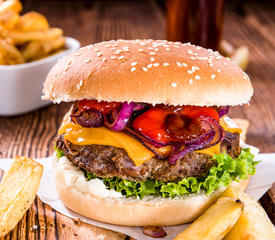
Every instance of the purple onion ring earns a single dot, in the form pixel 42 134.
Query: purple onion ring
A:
pixel 205 140
pixel 122 117
pixel 220 133
pixel 223 110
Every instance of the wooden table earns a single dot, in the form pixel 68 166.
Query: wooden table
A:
pixel 33 134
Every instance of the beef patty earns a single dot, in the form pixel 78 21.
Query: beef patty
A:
pixel 108 161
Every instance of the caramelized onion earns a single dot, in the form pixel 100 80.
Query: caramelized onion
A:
pixel 90 118
pixel 154 232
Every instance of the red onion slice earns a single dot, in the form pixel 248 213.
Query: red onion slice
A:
pixel 154 232
pixel 219 131
pixel 205 140
pixel 223 110
pixel 122 117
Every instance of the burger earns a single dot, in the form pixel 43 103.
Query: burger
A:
pixel 147 141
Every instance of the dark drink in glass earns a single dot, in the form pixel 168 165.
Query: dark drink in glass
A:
pixel 196 21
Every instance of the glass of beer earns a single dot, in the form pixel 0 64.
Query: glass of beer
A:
pixel 196 21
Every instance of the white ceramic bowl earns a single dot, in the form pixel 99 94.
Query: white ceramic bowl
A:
pixel 21 85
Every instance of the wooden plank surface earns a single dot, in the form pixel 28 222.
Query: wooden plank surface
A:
pixel 93 21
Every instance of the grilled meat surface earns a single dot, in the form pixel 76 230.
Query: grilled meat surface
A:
pixel 108 161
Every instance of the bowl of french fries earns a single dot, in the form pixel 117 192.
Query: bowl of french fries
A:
pixel 29 48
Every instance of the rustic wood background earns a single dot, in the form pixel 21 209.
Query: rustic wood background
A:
pixel 251 24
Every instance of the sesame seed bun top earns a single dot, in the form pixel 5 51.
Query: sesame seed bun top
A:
pixel 151 71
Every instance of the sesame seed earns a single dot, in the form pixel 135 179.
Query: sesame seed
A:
pixel 145 69
pixel 190 71
pixel 193 58
pixel 140 50
pixel 133 69
pixel 133 64
pixel 78 87
pixel 156 49
pixel 184 64
pixel 197 77
pixel 80 83
pixel 225 63
pixel 152 59
pixel 152 53
pixel 113 57
pixel 211 64
pixel 190 81
pixel 104 59
pixel 99 54
pixel 194 68
pixel 174 84
pixel 88 60
pixel 165 64
pixel 149 65
pixel 167 49
pixel 67 68
pixel 96 49
pixel 179 64
pixel 219 70
pixel 150 48
pixel 189 51
pixel 120 57
pixel 213 76
pixel 156 64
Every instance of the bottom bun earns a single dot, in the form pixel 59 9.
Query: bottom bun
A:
pixel 75 193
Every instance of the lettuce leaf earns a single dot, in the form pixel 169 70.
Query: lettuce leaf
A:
pixel 226 170
pixel 59 153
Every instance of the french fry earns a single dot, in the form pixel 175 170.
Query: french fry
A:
pixel 253 223
pixel 36 50
pixel 241 57
pixel 11 54
pixel 14 5
pixel 226 49
pixel 216 222
pixel 9 19
pixel 2 58
pixel 17 192
pixel 18 37
pixel 26 38
pixel 33 21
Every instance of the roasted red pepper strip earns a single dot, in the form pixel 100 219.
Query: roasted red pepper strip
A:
pixel 103 106
pixel 152 123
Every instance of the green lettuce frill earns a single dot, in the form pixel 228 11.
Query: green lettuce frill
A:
pixel 227 170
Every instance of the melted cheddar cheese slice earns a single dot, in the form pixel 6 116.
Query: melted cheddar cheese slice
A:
pixel 79 135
